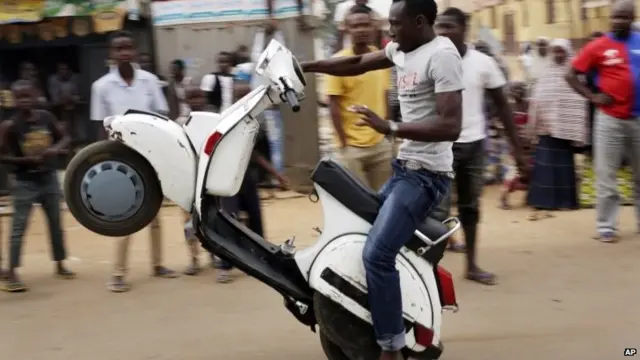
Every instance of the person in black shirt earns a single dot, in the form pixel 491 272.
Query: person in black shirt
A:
pixel 30 141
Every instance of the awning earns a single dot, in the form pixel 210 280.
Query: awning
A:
pixel 27 11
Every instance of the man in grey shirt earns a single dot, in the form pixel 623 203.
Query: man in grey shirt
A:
pixel 429 90
pixel 125 87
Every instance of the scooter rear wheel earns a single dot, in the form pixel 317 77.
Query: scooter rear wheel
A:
pixel 111 189
pixel 331 350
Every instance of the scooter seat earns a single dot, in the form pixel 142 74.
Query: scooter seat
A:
pixel 364 202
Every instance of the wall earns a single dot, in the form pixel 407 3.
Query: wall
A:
pixel 531 19
pixel 199 44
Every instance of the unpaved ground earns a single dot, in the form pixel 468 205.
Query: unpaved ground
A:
pixel 562 296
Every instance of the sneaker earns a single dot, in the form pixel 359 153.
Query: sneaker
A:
pixel 608 237
pixel 15 285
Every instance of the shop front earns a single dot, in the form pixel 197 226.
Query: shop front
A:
pixel 47 33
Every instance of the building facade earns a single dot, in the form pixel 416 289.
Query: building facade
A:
pixel 514 22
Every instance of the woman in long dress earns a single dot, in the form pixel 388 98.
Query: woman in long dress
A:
pixel 557 114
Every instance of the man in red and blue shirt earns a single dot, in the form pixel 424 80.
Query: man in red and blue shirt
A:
pixel 614 59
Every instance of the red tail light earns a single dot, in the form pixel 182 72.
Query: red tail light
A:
pixel 447 291
pixel 424 335
pixel 211 143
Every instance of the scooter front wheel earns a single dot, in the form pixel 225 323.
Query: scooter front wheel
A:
pixel 111 189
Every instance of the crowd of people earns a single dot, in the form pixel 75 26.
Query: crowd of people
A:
pixel 450 96
pixel 538 135
pixel 568 104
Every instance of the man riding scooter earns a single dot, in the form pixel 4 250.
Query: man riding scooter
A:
pixel 430 95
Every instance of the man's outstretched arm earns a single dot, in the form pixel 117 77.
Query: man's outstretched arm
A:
pixel 349 65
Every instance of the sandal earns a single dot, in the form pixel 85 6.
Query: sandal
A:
pixel 163 272
pixel 118 285
pixel 193 270
pixel 457 247
pixel 504 203
pixel 482 277
pixel 224 277
pixel 15 285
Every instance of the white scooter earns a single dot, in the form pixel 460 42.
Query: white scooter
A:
pixel 116 187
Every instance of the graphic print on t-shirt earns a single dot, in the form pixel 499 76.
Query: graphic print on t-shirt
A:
pixel 36 140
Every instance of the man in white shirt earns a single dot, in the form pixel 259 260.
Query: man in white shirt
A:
pixel 125 87
pixel 480 73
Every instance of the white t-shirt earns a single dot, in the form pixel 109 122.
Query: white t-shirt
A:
pixel 433 68
pixel 226 86
pixel 111 95
pixel 479 72
pixel 180 89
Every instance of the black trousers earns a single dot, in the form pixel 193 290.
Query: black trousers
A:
pixel 247 199
pixel 468 165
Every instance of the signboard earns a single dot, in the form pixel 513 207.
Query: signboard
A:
pixel 55 8
pixel 27 11
pixel 174 12
pixel 12 11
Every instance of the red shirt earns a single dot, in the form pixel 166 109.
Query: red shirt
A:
pixel 385 41
pixel 616 64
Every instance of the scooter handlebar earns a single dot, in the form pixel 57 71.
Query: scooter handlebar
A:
pixel 291 99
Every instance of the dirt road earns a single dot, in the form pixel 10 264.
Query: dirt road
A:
pixel 562 296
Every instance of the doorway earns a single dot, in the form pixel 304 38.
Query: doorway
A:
pixel 45 59
pixel 509 35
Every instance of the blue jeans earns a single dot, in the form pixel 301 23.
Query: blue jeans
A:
pixel 275 135
pixel 409 196
pixel 44 190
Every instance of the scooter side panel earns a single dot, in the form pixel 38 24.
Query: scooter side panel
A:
pixel 165 145
pixel 337 221
pixel 340 247
pixel 200 125
pixel 342 258
pixel 221 173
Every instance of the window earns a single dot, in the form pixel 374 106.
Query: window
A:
pixel 494 16
pixel 551 12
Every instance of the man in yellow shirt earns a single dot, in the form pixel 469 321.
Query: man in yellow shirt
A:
pixel 366 153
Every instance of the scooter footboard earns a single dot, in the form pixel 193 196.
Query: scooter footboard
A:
pixel 338 274
pixel 227 238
